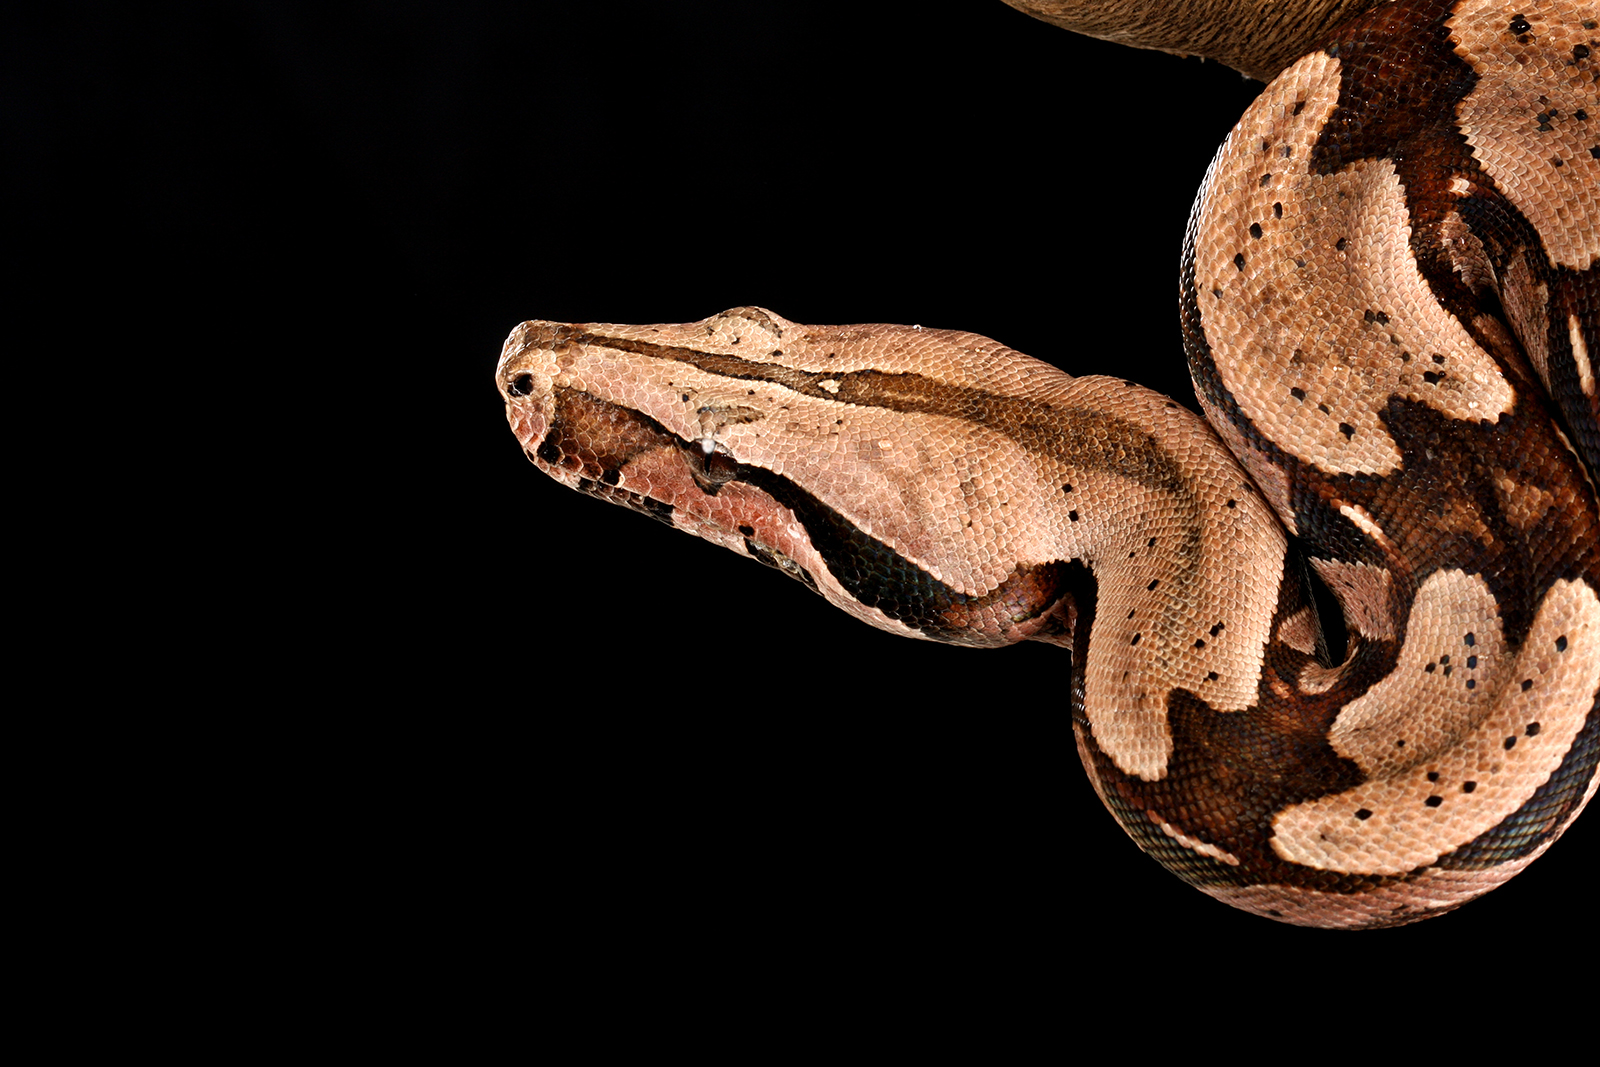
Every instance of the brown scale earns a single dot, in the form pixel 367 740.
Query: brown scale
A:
pixel 1370 295
pixel 1452 478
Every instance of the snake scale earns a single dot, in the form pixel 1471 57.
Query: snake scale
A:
pixel 1388 300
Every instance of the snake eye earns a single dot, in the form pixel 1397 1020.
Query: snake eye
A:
pixel 721 467
pixel 522 384
pixel 711 472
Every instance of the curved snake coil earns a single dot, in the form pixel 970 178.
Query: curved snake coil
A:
pixel 1390 263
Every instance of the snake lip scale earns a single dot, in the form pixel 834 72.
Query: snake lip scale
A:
pixel 1388 301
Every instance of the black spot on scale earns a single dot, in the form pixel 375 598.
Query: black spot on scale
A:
pixel 1297 392
pixel 1527 684
pixel 1595 151
pixel 1519 24
pixel 1238 260
pixel 1470 640
pixel 1580 51
pixel 748 531
pixel 1434 801
pixel 1299 106
pixel 1472 663
pixel 1340 243
pixel 1363 814
pixel 1467 787
pixel 1511 743
pixel 1135 640
pixel 1072 516
pixel 1348 430
pixel 1433 776
pixel 1532 729
pixel 1218 628
pixel 1152 586
pixel 1211 676
pixel 1561 643
pixel 1067 488
pixel 1266 180
pixel 1255 230
pixel 1277 211
pixel 1232 503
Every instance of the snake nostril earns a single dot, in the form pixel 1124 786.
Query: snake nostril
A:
pixel 522 384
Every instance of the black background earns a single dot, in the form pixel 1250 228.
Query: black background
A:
pixel 592 728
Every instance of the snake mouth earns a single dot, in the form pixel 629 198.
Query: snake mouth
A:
pixel 625 457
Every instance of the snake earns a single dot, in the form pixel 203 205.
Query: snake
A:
pixel 1333 649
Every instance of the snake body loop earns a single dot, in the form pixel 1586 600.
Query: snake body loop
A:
pixel 1389 299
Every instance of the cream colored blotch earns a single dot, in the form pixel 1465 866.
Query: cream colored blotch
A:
pixel 1426 809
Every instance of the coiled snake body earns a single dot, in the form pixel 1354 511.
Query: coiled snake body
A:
pixel 1389 275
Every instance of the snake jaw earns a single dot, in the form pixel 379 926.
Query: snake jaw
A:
pixel 939 485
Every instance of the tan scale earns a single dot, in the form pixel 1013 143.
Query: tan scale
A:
pixel 1294 315
pixel 1580 355
pixel 1429 893
pixel 963 500
pixel 1505 757
pixel 1518 81
pixel 1010 501
pixel 1366 592
pixel 1451 649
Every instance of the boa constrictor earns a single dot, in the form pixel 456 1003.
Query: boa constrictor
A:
pixel 1389 302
